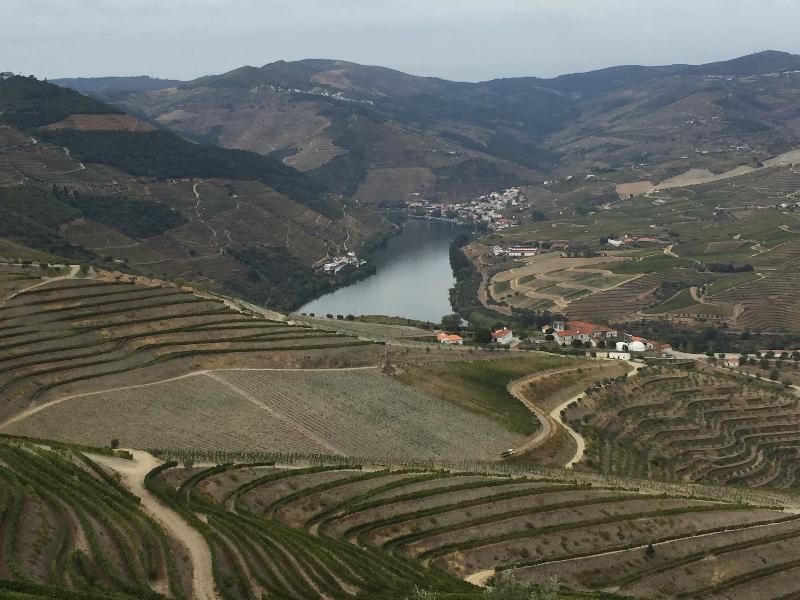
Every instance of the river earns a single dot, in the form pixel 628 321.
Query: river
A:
pixel 412 278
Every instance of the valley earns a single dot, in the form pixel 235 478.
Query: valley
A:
pixel 318 329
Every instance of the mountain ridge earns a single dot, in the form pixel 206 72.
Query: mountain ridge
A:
pixel 382 135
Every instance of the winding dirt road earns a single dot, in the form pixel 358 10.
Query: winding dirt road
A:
pixel 552 421
pixel 133 473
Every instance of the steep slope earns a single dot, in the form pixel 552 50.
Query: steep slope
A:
pixel 84 182
pixel 363 129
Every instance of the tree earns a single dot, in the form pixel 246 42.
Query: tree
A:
pixel 482 335
pixel 451 322
pixel 549 337
pixel 115 443
pixel 650 551
pixel 577 344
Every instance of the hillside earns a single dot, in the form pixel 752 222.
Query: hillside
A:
pixel 80 180
pixel 107 86
pixel 698 253
pixel 382 135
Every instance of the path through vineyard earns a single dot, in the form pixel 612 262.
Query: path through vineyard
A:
pixel 133 473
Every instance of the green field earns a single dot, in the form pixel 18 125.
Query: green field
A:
pixel 682 299
pixel 481 386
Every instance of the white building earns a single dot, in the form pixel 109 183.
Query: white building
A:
pixel 502 336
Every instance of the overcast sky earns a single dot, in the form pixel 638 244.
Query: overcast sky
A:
pixel 456 39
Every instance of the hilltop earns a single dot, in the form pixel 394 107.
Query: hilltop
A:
pixel 381 135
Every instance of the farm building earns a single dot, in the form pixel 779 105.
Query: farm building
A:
pixel 635 346
pixel 515 251
pixel 568 331
pixel 449 339
pixel 614 355
pixel 502 336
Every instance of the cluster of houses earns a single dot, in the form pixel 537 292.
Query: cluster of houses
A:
pixel 316 92
pixel 521 250
pixel 490 209
pixel 499 336
pixel 616 344
pixel 337 263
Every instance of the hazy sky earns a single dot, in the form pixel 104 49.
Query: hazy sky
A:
pixel 457 39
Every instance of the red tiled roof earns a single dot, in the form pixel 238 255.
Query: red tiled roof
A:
pixel 500 333
pixel 449 337
pixel 584 327
pixel 567 332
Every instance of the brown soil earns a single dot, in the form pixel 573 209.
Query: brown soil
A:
pixel 101 123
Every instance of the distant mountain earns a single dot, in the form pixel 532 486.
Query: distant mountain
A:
pixel 115 85
pixel 82 181
pixel 380 135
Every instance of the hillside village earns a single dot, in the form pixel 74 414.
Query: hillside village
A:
pixel 489 212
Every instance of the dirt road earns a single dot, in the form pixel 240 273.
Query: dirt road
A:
pixel 555 414
pixel 73 273
pixel 551 422
pixel 133 473
pixel 547 421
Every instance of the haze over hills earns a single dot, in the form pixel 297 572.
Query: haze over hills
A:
pixel 380 135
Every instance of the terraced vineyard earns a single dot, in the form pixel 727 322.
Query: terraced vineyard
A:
pixel 622 302
pixel 67 524
pixel 307 531
pixel 77 335
pixel 781 291
pixel 350 412
pixel 698 426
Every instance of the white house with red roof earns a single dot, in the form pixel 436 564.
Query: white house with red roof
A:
pixel 502 336
pixel 450 339
pixel 565 332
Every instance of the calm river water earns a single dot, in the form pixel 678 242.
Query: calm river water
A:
pixel 413 277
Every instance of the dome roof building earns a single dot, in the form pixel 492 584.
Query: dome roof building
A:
pixel 637 346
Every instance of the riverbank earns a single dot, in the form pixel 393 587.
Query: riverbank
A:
pixel 412 279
